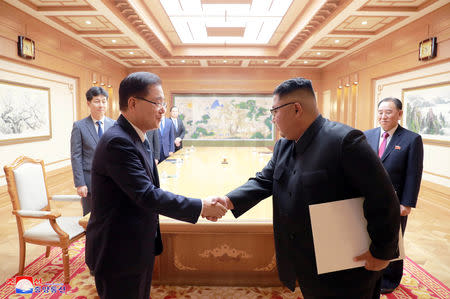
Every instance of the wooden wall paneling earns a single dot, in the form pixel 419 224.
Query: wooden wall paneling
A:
pixel 55 52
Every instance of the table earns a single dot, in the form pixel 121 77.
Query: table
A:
pixel 231 251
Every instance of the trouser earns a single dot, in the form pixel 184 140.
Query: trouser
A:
pixel 117 286
pixel 392 275
pixel 86 203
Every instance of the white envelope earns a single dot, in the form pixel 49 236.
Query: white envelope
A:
pixel 340 233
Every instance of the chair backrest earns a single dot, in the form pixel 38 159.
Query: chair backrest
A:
pixel 26 184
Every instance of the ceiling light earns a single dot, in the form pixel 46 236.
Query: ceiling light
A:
pixel 318 53
pixel 305 62
pixel 364 22
pixel 336 41
pixel 88 22
pixel 131 52
pixel 224 61
pixel 113 41
pixel 143 61
pixel 265 61
pixel 183 61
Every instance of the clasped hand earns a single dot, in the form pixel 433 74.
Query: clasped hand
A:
pixel 214 207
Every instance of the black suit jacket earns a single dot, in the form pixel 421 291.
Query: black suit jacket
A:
pixel 403 160
pixel 330 162
pixel 123 235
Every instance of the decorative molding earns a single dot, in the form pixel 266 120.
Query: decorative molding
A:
pixel 269 267
pixel 225 252
pixel 179 265
pixel 436 174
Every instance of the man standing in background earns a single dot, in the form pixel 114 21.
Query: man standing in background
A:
pixel 401 152
pixel 178 127
pixel 155 147
pixel 166 138
pixel 85 136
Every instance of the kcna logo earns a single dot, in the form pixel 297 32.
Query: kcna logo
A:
pixel 26 285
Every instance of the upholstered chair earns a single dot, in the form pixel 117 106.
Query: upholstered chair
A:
pixel 28 191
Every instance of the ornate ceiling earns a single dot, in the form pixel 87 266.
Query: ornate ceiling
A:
pixel 238 33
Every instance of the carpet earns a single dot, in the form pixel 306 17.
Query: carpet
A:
pixel 43 278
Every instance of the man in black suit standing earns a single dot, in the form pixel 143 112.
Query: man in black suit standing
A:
pixel 123 235
pixel 180 130
pixel 320 161
pixel 401 152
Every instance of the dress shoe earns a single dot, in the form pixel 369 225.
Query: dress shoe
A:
pixel 386 291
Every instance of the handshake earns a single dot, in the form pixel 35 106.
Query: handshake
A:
pixel 214 207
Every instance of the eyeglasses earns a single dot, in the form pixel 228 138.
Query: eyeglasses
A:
pixel 273 111
pixel 158 105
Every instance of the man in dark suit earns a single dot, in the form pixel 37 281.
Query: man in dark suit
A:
pixel 84 138
pixel 153 140
pixel 166 138
pixel 401 152
pixel 123 235
pixel 320 161
pixel 180 130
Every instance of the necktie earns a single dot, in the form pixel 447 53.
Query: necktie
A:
pixel 175 123
pixel 383 144
pixel 100 130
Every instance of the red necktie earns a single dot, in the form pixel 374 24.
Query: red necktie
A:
pixel 383 144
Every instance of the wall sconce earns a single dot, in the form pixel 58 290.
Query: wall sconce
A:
pixel 354 78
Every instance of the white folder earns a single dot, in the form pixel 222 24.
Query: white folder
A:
pixel 340 233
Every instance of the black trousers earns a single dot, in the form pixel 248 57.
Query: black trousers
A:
pixel 371 292
pixel 117 286
pixel 392 275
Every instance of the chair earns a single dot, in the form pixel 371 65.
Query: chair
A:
pixel 28 191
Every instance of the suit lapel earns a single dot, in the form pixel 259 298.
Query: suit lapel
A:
pixel 395 138
pixel 123 122
pixel 91 128
pixel 374 140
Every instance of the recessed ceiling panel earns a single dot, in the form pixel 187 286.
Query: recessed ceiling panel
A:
pixel 365 24
pixel 255 21
pixel 87 23
pixel 337 42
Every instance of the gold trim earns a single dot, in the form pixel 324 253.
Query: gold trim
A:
pixel 436 174
pixel 51 163
pixel 269 266
pixel 225 252
pixel 180 266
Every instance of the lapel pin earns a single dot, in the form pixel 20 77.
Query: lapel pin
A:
pixel 397 147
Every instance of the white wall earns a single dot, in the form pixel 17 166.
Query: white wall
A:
pixel 54 151
pixel 436 157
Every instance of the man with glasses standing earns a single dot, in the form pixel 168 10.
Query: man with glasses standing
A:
pixel 84 138
pixel 123 235
pixel 320 161
pixel 401 152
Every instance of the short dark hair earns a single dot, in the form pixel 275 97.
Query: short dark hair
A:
pixel 172 108
pixel 396 102
pixel 95 91
pixel 294 84
pixel 135 84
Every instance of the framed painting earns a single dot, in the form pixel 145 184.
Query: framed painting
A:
pixel 243 117
pixel 427 112
pixel 24 113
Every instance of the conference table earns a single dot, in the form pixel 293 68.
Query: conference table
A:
pixel 230 251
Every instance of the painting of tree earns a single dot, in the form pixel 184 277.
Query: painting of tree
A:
pixel 427 110
pixel 24 113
